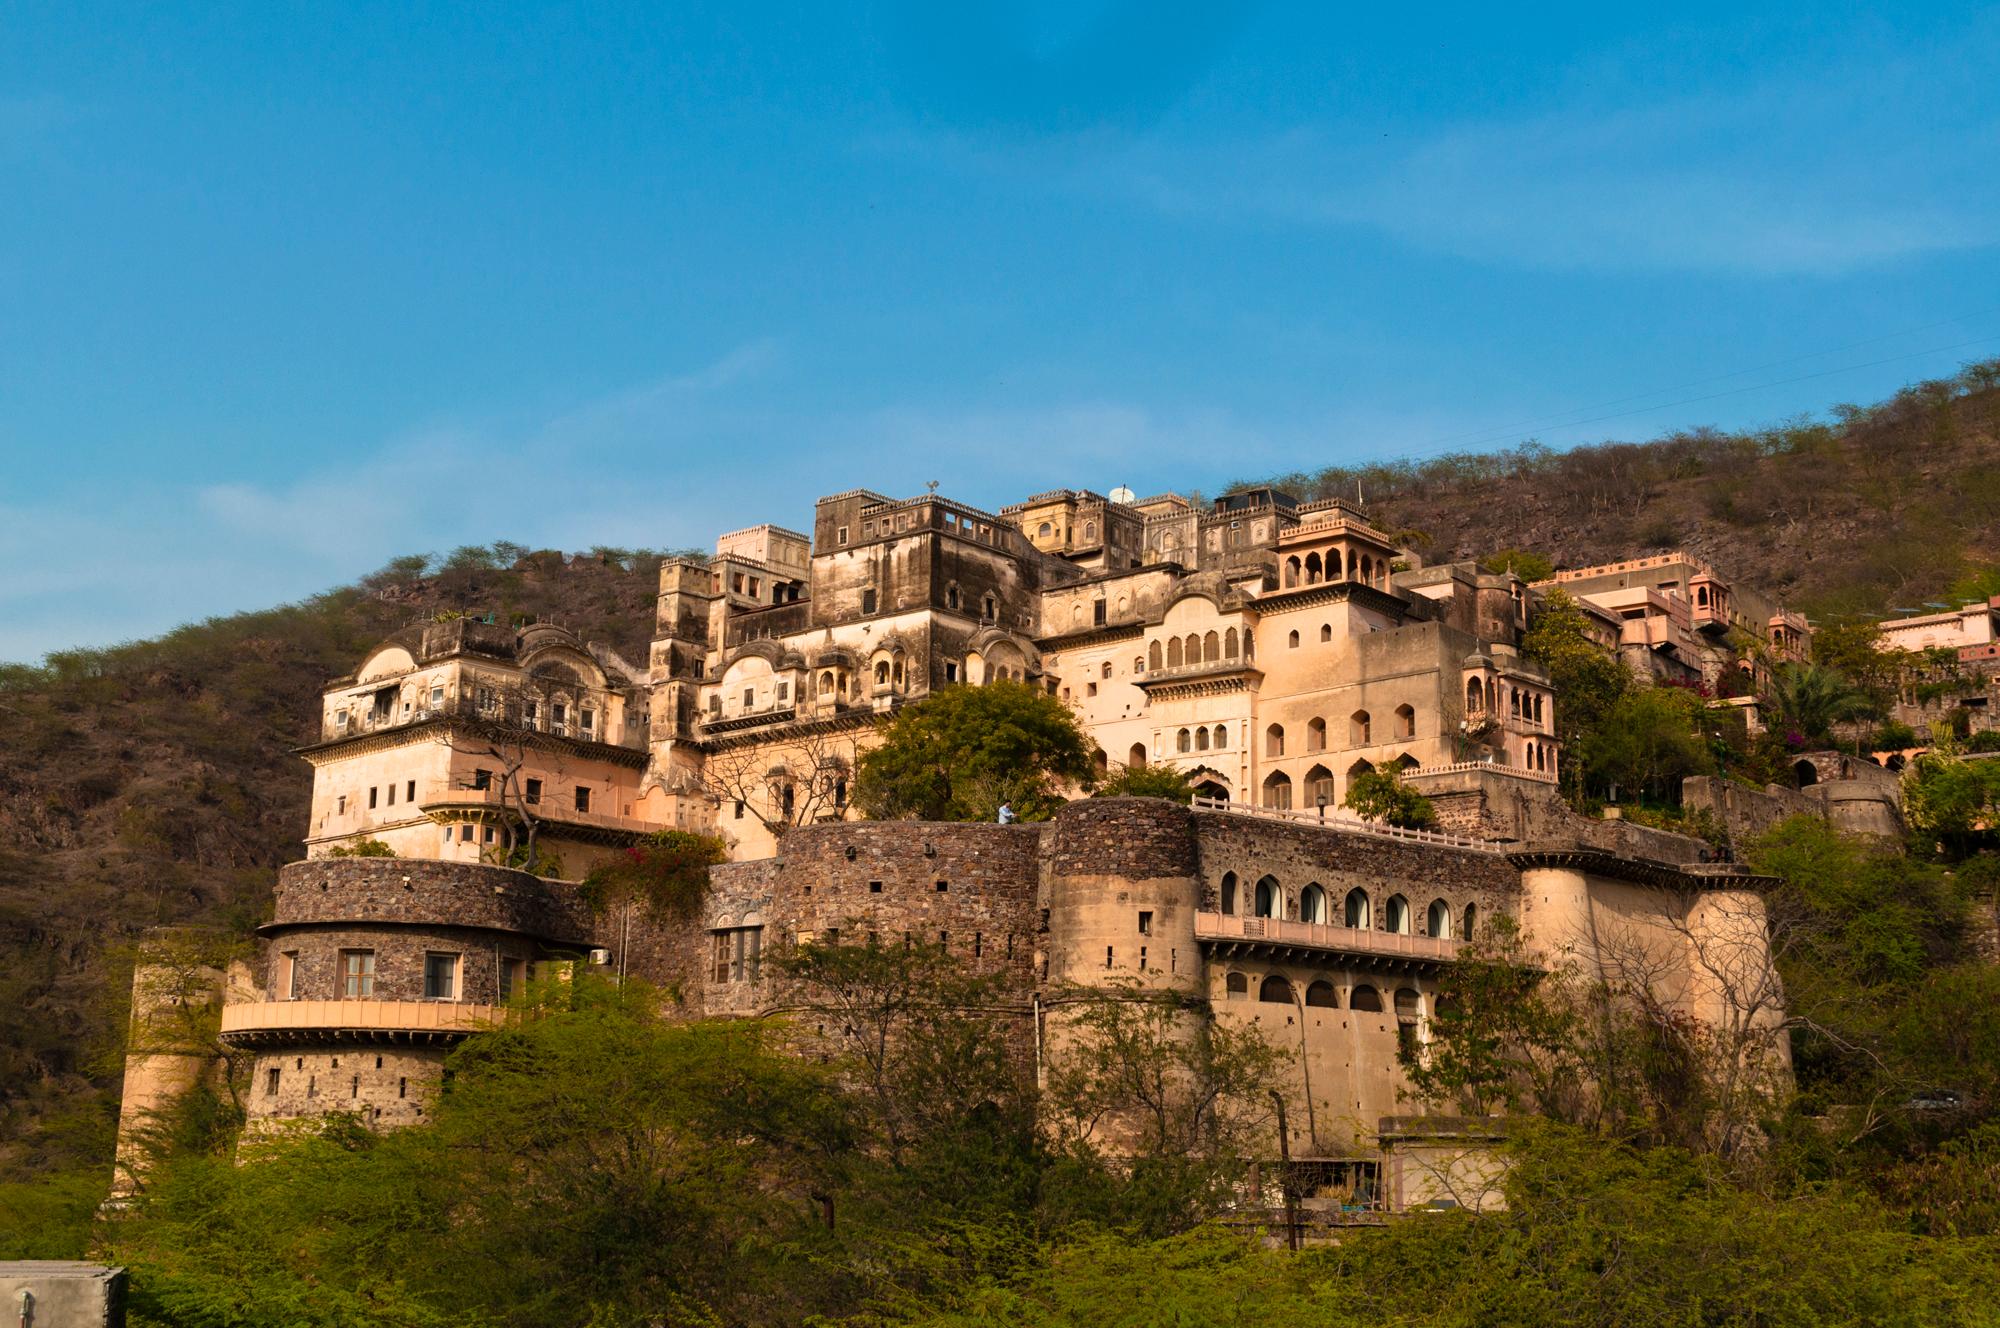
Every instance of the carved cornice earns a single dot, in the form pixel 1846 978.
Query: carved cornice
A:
pixel 1643 871
pixel 448 728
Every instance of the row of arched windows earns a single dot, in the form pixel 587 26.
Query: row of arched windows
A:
pixel 1356 909
pixel 1482 695
pixel 1201 739
pixel 1360 731
pixel 1325 635
pixel 1311 570
pixel 1197 648
pixel 1321 993
pixel 1319 782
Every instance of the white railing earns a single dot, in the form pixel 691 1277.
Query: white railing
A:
pixel 1345 821
pixel 1490 767
pixel 1364 940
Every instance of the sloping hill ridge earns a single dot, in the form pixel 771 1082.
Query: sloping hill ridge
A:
pixel 1876 508
pixel 153 783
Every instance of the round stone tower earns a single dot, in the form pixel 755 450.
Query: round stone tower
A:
pixel 1123 891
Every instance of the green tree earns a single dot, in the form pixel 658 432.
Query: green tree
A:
pixel 1588 677
pixel 962 751
pixel 1809 699
pixel 1153 1076
pixel 1950 803
pixel 1381 795
pixel 1528 566
pixel 1147 781
pixel 1651 739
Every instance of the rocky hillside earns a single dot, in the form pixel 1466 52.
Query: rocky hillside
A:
pixel 153 782
pixel 1878 507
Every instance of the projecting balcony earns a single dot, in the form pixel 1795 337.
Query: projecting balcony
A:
pixel 1230 932
pixel 279 1023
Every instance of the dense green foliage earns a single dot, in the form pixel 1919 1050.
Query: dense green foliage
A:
pixel 1147 781
pixel 960 752
pixel 1381 795
pixel 667 872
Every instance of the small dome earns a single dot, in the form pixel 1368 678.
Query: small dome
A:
pixel 1121 494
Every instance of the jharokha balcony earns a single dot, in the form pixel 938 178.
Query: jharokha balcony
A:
pixel 281 1023
pixel 1230 933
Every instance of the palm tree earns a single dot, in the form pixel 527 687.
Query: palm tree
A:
pixel 1810 699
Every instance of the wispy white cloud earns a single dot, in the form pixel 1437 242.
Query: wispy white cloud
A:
pixel 1857 162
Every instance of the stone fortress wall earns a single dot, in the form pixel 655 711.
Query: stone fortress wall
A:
pixel 1327 939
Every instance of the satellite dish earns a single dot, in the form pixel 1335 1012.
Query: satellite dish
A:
pixel 1121 494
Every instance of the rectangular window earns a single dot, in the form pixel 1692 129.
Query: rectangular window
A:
pixel 1145 923
pixel 739 809
pixel 271 1082
pixel 737 955
pixel 840 536
pixel 558 716
pixel 288 976
pixel 950 671
pixel 340 805
pixel 582 798
pixel 482 779
pixel 357 974
pixel 586 721
pixel 392 795
pixel 437 698
pixel 340 722
pixel 749 697
pixel 1090 689
pixel 485 699
pixel 512 974
pixel 371 798
pixel 487 837
pixel 411 795
pixel 465 833
pixel 440 977
pixel 531 713
pixel 784 692
pixel 534 791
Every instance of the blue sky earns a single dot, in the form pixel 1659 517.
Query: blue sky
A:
pixel 286 291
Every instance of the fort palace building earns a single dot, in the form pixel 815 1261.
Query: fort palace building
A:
pixel 1271 649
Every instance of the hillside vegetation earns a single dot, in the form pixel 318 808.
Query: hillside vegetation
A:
pixel 153 782
pixel 1873 508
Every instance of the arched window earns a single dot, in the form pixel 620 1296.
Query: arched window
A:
pixel 989 609
pixel 1291 572
pixel 1201 740
pixel 1364 997
pixel 1136 758
pixel 1228 892
pixel 1293 640
pixel 1359 768
pixel 1193 648
pixel 1396 915
pixel 1138 663
pixel 1437 918
pixel 826 687
pixel 1325 633
pixel 1274 990
pixel 1211 647
pixel 1278 791
pixel 1221 736
pixel 1315 734
pixel 1237 986
pixel 1174 656
pixel 1045 531
pixel 1106 671
pixel 1313 906
pixel 868 601
pixel 1270 898
pixel 1471 914
pixel 881 673
pixel 1274 740
pixel 1315 570
pixel 951 597
pixel 1319 787
pixel 1321 994
pixel 1358 725
pixel 1183 741
pixel 1806 772
pixel 1406 721
pixel 1229 644
pixel 1153 655
pixel 1090 530
pixel 1474 698
pixel 1357 913
pixel 1409 1003
pixel 1101 761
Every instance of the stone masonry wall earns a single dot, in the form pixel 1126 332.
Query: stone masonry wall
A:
pixel 399 959
pixel 344 890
